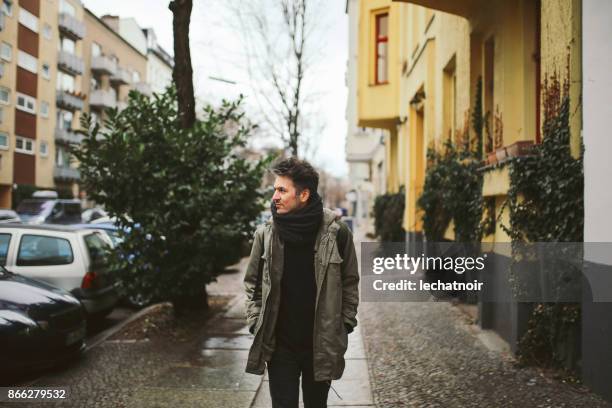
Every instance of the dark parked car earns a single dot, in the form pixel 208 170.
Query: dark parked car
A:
pixel 40 325
pixel 46 208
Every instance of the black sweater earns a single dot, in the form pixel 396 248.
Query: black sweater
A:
pixel 294 327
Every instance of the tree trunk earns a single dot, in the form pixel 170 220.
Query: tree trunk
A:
pixel 183 73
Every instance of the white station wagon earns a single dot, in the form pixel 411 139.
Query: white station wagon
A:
pixel 66 257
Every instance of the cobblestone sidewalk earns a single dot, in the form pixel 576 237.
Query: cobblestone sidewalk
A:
pixel 423 355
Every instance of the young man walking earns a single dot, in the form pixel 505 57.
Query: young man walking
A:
pixel 302 291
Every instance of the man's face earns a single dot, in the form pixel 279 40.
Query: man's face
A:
pixel 286 197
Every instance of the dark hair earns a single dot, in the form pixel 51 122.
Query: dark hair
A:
pixel 300 172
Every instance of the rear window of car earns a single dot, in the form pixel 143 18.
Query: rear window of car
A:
pixel 5 239
pixel 39 250
pixel 98 247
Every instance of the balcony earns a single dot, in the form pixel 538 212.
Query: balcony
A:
pixel 143 88
pixel 66 174
pixel 103 99
pixel 70 63
pixel 67 137
pixel 121 77
pixel 103 65
pixel 71 27
pixel 68 101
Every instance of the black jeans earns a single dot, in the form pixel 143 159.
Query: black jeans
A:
pixel 284 371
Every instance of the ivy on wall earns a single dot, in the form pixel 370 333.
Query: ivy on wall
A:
pixel 388 212
pixel 546 204
pixel 452 191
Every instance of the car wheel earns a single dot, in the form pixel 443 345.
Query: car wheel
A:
pixel 139 300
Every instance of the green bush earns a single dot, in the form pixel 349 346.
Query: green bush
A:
pixel 388 216
pixel 186 197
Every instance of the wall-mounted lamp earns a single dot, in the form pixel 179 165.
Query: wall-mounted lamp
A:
pixel 417 100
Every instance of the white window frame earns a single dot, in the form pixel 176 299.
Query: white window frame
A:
pixel 46 73
pixel 27 62
pixel 28 100
pixel 44 152
pixel 24 141
pixel 8 96
pixel 44 112
pixel 8 139
pixel 28 19
pixel 6 46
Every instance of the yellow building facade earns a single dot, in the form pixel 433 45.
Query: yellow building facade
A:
pixel 434 53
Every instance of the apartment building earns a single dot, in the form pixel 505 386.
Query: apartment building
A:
pixel 57 60
pixel 365 147
pixel 419 64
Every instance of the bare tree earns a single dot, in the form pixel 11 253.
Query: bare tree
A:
pixel 279 41
pixel 183 73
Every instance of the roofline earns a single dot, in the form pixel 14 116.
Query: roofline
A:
pixel 114 32
pixel 43 227
pixel 162 57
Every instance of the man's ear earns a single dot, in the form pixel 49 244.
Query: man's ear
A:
pixel 305 195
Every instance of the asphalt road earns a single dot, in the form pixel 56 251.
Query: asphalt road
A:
pixel 94 328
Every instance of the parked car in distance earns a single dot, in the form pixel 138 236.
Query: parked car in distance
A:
pixel 92 214
pixel 46 208
pixel 7 215
pixel 69 258
pixel 40 325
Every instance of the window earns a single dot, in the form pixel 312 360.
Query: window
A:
pixel 94 84
pixel 135 77
pixel 64 119
pixel 7 7
pixel 4 141
pixel 62 158
pixel 96 50
pixel 1 69
pixel 382 48
pixel 5 240
pixel 24 145
pixel 27 62
pixel 47 32
pixel 98 248
pixel 449 99
pixel 6 51
pixel 68 45
pixel 26 103
pixel 46 71
pixel 44 149
pixel 65 82
pixel 1 114
pixel 5 95
pixel 37 250
pixel 28 19
pixel 44 109
pixel 67 8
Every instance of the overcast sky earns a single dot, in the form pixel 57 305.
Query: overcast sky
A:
pixel 215 50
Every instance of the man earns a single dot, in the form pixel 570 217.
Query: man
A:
pixel 302 291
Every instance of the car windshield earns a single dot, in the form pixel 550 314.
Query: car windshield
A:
pixel 34 207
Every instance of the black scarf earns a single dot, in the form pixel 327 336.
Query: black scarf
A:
pixel 300 226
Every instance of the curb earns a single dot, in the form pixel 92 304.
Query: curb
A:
pixel 101 337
